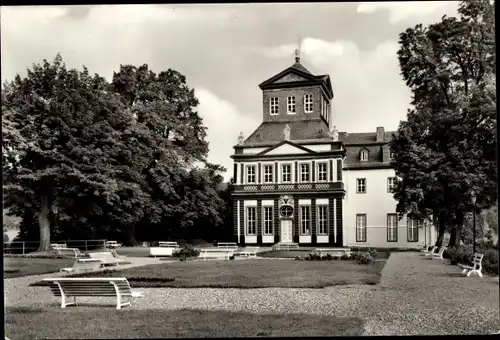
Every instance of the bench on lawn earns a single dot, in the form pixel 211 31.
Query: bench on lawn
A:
pixel 83 265
pixel 439 254
pixel 106 257
pixel 117 256
pixel 248 251
pixel 69 252
pixel 334 251
pixel 168 244
pixel 86 286
pixel 113 244
pixel 216 253
pixel 58 245
pixel 227 245
pixel 164 249
pixel 426 252
pixel 477 265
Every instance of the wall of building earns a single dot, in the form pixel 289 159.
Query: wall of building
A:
pixel 376 203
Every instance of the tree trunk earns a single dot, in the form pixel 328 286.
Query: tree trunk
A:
pixel 441 230
pixel 131 237
pixel 456 232
pixel 44 224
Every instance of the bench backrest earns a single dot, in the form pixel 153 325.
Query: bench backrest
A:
pixel 90 286
pixel 105 255
pixel 73 252
pixel 168 244
pixel 227 245
pixel 477 260
pixel 441 250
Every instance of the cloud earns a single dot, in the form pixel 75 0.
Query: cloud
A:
pixel 420 11
pixel 224 123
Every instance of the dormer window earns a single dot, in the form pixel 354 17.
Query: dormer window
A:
pixel 291 105
pixel 273 106
pixel 308 103
pixel 363 156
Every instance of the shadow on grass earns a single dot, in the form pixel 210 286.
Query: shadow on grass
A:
pixel 104 322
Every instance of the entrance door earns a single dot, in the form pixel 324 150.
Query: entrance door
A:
pixel 286 231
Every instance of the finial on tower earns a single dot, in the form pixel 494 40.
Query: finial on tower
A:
pixel 297 53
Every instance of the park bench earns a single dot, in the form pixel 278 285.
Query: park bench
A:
pixel 117 256
pixel 477 265
pixel 164 249
pixel 429 252
pixel 439 254
pixel 112 244
pixel 167 244
pixel 106 257
pixel 69 252
pixel 83 265
pixel 89 287
pixel 248 251
pixel 333 251
pixel 58 245
pixel 227 245
pixel 216 253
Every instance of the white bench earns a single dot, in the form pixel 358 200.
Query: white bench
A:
pixel 216 253
pixel 477 265
pixel 164 249
pixel 248 251
pixel 58 245
pixel 106 257
pixel 168 244
pixel 333 251
pixel 112 244
pixel 69 252
pixel 117 256
pixel 439 254
pixel 227 245
pixel 74 287
pixel 426 252
pixel 83 265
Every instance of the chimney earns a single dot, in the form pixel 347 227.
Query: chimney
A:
pixel 380 134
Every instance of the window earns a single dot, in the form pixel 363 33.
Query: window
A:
pixel 361 228
pixel 251 221
pixel 391 181
pixel 308 103
pixel 304 172
pixel 251 174
pixel 321 172
pixel 412 230
pixel 361 185
pixel 363 155
pixel 328 113
pixel 291 105
pixel 322 220
pixel 392 227
pixel 273 106
pixel 268 220
pixel 305 219
pixel 286 173
pixel 391 155
pixel 268 173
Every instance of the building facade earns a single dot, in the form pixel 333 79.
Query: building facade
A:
pixel 296 179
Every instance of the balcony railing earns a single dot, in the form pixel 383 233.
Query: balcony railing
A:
pixel 289 187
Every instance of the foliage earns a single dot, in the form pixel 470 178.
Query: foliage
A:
pixel 186 251
pixel 447 145
pixel 365 258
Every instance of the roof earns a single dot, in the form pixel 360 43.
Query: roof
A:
pixel 298 66
pixel 363 138
pixel 267 132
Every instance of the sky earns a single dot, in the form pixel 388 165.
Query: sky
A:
pixel 226 50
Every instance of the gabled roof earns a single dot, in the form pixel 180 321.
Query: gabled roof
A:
pixel 299 67
pixel 363 138
pixel 275 149
pixel 315 129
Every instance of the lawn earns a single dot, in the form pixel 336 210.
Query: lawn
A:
pixel 19 266
pixel 381 255
pixel 108 323
pixel 252 273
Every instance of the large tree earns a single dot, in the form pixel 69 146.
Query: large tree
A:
pixel 447 147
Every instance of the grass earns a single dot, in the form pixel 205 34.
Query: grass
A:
pixel 19 266
pixel 381 255
pixel 108 323
pixel 252 273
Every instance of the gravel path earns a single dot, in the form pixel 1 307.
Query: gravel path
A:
pixel 420 296
pixel 415 296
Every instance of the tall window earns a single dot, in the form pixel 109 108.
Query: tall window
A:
pixel 286 173
pixel 412 230
pixel 363 155
pixel 321 172
pixel 251 221
pixel 305 219
pixel 304 172
pixel 391 182
pixel 308 103
pixel 361 228
pixel 322 220
pixel 361 185
pixel 273 106
pixel 268 220
pixel 268 173
pixel 328 113
pixel 291 105
pixel 251 174
pixel 392 227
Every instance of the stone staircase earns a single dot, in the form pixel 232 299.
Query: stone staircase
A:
pixel 286 246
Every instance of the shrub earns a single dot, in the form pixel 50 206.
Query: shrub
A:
pixel 365 258
pixel 345 257
pixel 490 261
pixel 329 257
pixel 186 251
pixel 373 253
pixel 459 255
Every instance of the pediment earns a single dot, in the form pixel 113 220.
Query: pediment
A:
pixel 289 78
pixel 286 148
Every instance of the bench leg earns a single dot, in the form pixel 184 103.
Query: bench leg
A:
pixel 464 271
pixel 475 271
pixel 63 297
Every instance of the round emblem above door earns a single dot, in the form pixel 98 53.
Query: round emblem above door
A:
pixel 286 211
